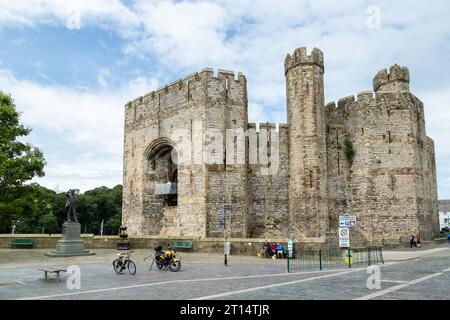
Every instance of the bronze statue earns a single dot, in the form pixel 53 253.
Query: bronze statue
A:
pixel 70 205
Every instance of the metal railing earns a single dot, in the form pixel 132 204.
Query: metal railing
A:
pixel 334 258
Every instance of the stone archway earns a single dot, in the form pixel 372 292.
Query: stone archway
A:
pixel 161 192
pixel 163 169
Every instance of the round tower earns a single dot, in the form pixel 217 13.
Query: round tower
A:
pixel 308 204
pixel 397 80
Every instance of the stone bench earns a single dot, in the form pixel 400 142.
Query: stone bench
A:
pixel 56 271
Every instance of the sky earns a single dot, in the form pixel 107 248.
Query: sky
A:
pixel 72 67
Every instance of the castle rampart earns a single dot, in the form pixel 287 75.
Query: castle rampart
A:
pixel 366 154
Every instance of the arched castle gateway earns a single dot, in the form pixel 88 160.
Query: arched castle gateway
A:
pixel 189 149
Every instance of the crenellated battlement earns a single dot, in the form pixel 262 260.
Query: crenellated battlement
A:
pixel 176 86
pixel 300 57
pixel 396 80
pixel 365 96
pixel 267 126
pixel 345 102
pixel 344 105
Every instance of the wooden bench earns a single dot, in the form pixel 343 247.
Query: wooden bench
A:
pixel 56 271
pixel 182 245
pixel 21 242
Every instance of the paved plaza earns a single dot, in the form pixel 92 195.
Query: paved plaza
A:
pixel 406 274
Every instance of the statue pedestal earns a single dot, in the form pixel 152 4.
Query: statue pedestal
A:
pixel 70 243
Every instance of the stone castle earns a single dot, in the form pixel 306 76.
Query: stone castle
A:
pixel 367 156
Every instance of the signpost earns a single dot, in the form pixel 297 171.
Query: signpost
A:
pixel 347 221
pixel 290 248
pixel 344 237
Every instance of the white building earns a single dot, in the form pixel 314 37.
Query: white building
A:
pixel 444 219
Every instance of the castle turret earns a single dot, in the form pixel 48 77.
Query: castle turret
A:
pixel 396 80
pixel 307 143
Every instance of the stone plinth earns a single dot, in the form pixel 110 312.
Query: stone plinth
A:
pixel 70 243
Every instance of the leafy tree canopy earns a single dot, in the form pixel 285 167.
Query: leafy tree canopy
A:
pixel 19 163
pixel 32 208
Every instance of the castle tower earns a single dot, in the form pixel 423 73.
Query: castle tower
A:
pixel 397 80
pixel 308 205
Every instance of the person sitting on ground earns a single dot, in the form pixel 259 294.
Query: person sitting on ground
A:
pixel 280 251
pixel 418 240
pixel 273 249
pixel 262 252
pixel 266 248
pixel 268 252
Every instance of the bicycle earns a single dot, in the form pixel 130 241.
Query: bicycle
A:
pixel 124 262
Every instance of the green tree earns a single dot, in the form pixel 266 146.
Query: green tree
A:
pixel 49 223
pixel 19 163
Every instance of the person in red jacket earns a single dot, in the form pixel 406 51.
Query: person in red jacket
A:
pixel 418 239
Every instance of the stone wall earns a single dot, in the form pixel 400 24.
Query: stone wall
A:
pixel 269 182
pixel 390 184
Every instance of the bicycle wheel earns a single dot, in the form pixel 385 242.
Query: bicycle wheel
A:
pixel 174 266
pixel 131 267
pixel 117 266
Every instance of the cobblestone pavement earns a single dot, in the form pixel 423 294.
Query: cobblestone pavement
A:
pixel 203 276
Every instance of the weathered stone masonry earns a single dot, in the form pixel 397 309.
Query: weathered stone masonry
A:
pixel 368 156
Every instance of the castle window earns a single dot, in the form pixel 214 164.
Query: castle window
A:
pixel 310 179
pixel 389 135
pixel 362 131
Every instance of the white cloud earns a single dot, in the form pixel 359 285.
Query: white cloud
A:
pixel 250 37
pixel 88 121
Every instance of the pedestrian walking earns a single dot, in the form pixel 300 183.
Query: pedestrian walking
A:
pixel 412 241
